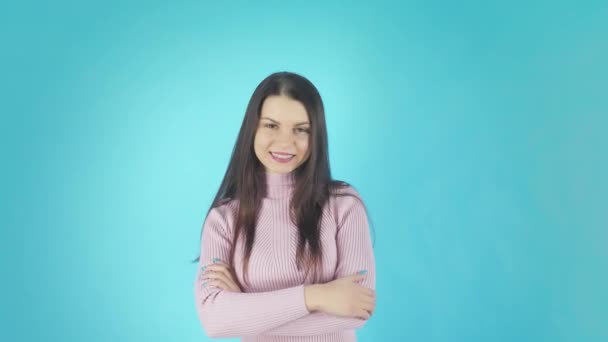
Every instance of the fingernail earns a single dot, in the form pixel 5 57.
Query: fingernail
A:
pixel 363 272
pixel 203 268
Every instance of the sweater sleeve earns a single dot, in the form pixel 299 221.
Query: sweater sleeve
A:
pixel 355 253
pixel 231 314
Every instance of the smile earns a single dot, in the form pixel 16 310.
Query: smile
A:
pixel 281 158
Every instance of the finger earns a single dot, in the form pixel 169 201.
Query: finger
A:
pixel 219 284
pixel 229 286
pixel 368 306
pixel 368 300
pixel 356 278
pixel 220 264
pixel 223 268
pixel 220 270
pixel 217 267
pixel 364 291
pixel 216 276
pixel 234 287
pixel 362 313
pixel 232 276
pixel 223 278
pixel 368 292
pixel 362 272
pixel 366 303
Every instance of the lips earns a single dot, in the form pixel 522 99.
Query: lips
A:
pixel 281 157
pixel 282 154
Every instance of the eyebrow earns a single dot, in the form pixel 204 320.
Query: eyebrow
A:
pixel 298 124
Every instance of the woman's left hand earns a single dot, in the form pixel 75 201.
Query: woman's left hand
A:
pixel 220 275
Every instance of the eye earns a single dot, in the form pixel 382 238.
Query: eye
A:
pixel 269 125
pixel 303 130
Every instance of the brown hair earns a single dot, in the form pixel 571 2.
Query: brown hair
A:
pixel 245 179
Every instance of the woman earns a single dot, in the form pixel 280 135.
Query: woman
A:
pixel 285 250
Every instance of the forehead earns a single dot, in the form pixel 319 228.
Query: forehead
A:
pixel 284 110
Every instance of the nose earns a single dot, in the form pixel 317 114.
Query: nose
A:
pixel 285 136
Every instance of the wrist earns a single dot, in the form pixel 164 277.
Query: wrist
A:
pixel 313 297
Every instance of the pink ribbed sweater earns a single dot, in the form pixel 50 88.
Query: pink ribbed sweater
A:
pixel 273 308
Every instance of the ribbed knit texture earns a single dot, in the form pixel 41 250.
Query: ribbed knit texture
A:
pixel 272 307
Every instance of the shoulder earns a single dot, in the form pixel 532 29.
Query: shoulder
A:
pixel 222 215
pixel 345 200
pixel 344 193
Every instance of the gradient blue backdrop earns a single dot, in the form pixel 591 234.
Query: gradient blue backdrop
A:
pixel 475 132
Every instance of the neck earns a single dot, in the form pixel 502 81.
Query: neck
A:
pixel 279 185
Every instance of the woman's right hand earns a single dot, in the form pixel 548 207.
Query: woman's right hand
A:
pixel 342 297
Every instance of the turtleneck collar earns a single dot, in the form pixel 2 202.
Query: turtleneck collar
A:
pixel 279 185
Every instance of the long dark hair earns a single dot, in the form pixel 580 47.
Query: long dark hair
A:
pixel 245 179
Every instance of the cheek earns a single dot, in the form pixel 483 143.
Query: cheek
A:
pixel 258 144
pixel 303 146
pixel 262 145
pixel 259 139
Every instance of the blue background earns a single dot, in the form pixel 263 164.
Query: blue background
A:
pixel 475 131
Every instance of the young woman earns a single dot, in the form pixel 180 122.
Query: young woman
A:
pixel 286 253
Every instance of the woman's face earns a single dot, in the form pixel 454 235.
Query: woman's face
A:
pixel 283 134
